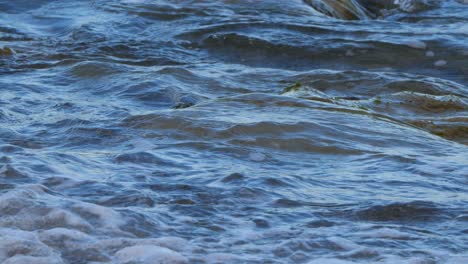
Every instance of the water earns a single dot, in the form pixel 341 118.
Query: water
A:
pixel 178 131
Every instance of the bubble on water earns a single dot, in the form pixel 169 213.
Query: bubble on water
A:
pixel 430 53
pixel 417 44
pixel 257 156
pixel 440 63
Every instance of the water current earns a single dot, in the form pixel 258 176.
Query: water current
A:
pixel 233 131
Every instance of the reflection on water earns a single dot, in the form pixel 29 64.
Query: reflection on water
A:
pixel 142 131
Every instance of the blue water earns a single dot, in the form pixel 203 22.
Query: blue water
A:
pixel 220 131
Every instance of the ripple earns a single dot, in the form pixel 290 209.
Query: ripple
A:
pixel 143 157
pixel 233 132
pixel 93 70
pixel 413 211
pixel 10 174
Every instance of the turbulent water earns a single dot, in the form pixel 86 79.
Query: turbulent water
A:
pixel 232 131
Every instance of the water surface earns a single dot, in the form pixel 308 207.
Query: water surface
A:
pixel 183 131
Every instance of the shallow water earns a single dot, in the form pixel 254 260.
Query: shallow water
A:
pixel 177 131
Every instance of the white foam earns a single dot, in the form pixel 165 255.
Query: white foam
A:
pixel 107 216
pixel 173 243
pixel 462 259
pixel 440 63
pixel 19 234
pixel 57 217
pixel 149 254
pixel 407 260
pixel 344 243
pixel 417 44
pixel 256 156
pixel 17 242
pixel 112 243
pixel 63 234
pixel 20 259
pixel 133 1
pixel 329 261
pixel 385 233
pixel 411 5
pixel 430 53
pixel 10 203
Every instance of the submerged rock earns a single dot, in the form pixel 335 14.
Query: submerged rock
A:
pixel 5 51
pixel 343 9
pixel 367 9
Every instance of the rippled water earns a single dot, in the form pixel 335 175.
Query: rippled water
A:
pixel 222 131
